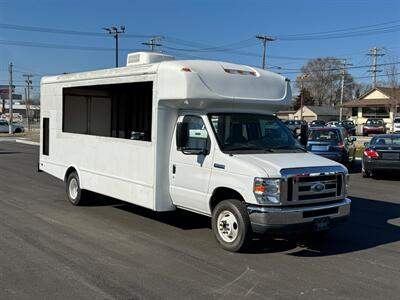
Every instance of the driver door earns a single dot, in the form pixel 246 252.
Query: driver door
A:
pixel 190 173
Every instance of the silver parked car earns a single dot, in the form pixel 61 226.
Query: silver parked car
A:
pixel 16 128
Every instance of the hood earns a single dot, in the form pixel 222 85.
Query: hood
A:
pixel 273 163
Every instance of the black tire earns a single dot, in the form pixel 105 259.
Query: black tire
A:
pixel 17 130
pixel 75 194
pixel 364 134
pixel 240 240
pixel 366 173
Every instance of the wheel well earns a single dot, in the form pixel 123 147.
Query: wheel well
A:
pixel 69 171
pixel 223 193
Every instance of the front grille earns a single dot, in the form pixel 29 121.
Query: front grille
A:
pixel 312 187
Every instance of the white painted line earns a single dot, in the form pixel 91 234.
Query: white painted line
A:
pixel 28 142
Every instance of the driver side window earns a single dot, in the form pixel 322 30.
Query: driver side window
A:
pixel 198 135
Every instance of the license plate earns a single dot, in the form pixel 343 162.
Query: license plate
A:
pixel 320 148
pixel 321 224
pixel 391 156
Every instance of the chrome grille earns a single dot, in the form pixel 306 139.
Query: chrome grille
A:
pixel 310 185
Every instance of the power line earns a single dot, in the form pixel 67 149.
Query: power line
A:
pixel 152 43
pixel 337 30
pixel 264 39
pixel 62 31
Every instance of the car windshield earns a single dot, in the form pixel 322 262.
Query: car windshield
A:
pixel 397 120
pixel 237 133
pixel 374 122
pixel 386 140
pixel 321 135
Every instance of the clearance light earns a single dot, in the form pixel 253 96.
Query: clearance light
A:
pixel 240 72
pixel 371 153
pixel 186 69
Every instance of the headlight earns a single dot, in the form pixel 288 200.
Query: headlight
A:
pixel 347 184
pixel 267 190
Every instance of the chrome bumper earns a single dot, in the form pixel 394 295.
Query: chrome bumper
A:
pixel 300 218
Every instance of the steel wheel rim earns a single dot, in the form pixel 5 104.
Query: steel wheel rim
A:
pixel 73 188
pixel 228 226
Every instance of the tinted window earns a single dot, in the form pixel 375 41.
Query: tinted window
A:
pixel 323 135
pixel 116 110
pixel 386 140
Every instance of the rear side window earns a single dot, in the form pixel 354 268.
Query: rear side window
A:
pixel 45 145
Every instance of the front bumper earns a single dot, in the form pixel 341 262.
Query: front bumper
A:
pixel 286 220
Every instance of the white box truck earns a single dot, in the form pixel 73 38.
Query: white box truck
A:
pixel 190 134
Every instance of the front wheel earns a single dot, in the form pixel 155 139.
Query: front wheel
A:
pixel 231 225
pixel 75 194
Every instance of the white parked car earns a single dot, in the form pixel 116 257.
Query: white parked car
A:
pixel 16 128
pixel 396 125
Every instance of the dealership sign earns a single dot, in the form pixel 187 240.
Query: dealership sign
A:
pixel 4 89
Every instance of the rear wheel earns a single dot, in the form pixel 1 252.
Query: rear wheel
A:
pixel 231 225
pixel 17 130
pixel 75 194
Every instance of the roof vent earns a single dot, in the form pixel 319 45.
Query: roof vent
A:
pixel 144 58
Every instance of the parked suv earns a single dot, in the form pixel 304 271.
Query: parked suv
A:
pixel 376 126
pixel 332 142
pixel 349 125
pixel 294 125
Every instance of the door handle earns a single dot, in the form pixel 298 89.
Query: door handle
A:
pixel 173 169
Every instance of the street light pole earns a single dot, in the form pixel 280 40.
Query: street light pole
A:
pixel 115 32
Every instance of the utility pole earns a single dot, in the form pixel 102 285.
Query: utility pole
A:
pixel 115 32
pixel 375 53
pixel 10 97
pixel 27 97
pixel 153 42
pixel 302 78
pixel 264 39
pixel 345 64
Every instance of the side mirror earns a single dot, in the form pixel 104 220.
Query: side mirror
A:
pixel 304 135
pixel 182 135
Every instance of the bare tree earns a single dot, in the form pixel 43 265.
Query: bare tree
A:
pixel 324 81
pixel 391 73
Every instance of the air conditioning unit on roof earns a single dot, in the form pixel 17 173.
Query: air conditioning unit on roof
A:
pixel 144 58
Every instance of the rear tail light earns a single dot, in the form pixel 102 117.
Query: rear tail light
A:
pixel 371 153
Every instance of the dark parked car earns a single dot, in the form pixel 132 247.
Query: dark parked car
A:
pixel 381 153
pixel 332 142
pixel 317 123
pixel 349 125
pixel 294 125
pixel 376 126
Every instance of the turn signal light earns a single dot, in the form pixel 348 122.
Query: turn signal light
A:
pixel 185 69
pixel 371 153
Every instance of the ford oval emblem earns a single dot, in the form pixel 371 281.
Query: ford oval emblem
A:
pixel 318 187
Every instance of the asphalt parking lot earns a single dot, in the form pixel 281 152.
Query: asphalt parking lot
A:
pixel 50 249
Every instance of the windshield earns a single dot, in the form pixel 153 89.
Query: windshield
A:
pixel 238 132
pixel 324 135
pixel 375 122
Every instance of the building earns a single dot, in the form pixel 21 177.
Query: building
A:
pixel 21 109
pixel 378 102
pixel 285 114
pixel 311 113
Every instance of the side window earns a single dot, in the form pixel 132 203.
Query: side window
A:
pixel 46 134
pixel 198 135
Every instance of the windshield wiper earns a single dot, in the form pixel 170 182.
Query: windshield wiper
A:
pixel 287 148
pixel 250 148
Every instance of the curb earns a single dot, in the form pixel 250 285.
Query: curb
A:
pixel 27 142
